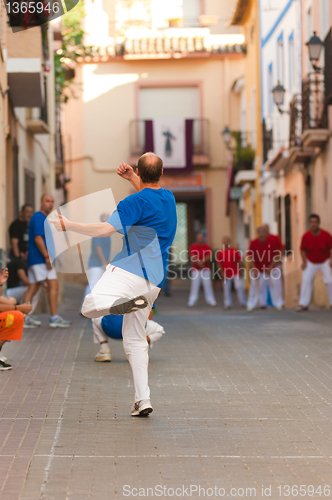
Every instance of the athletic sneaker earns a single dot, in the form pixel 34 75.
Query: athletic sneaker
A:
pixel 103 355
pixel 141 408
pixel 123 306
pixel 30 323
pixel 302 308
pixel 59 323
pixel 35 320
pixel 5 366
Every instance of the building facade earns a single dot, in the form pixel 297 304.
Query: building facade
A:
pixel 185 73
pixel 27 122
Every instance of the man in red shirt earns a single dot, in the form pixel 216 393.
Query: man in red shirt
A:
pixel 264 255
pixel 264 288
pixel 201 256
pixel 228 262
pixel 316 252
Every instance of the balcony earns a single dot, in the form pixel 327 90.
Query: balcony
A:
pixel 37 121
pixel 298 151
pixel 315 131
pixel 31 14
pixel 245 177
pixel 25 68
pixel 200 154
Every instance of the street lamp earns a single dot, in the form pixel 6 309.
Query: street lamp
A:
pixel 278 96
pixel 227 136
pixel 314 45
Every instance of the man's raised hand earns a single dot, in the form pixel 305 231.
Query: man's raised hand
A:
pixel 61 223
pixel 125 171
pixel 3 276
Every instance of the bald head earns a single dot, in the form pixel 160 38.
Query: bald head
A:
pixel 150 168
pixel 262 233
pixel 46 203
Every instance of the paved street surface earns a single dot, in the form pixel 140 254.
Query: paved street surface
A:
pixel 241 401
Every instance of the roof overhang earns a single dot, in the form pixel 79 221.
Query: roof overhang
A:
pixel 240 12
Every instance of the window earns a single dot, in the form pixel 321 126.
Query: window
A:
pixel 288 235
pixel 280 59
pixel 191 12
pixel 270 102
pixel 180 243
pixel 324 15
pixel 291 61
pixel 29 183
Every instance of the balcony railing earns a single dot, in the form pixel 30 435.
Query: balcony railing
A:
pixel 295 118
pixel 314 110
pixel 267 141
pixel 27 14
pixel 200 137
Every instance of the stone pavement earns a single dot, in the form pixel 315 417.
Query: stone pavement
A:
pixel 241 401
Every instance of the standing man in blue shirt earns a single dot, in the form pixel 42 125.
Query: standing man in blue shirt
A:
pixel 99 258
pixel 39 264
pixel 132 282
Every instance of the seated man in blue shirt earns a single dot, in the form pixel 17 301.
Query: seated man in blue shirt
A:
pixel 132 282
pixel 110 326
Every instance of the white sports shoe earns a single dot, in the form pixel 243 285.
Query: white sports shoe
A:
pixel 103 355
pixel 141 408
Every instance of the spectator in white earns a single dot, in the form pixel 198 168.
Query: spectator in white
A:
pixel 132 281
pixel 39 264
pixel 228 262
pixel 316 252
pixel 99 258
pixel 201 256
pixel 264 288
pixel 18 231
pixel 264 257
pixel 18 284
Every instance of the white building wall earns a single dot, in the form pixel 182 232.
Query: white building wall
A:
pixel 280 25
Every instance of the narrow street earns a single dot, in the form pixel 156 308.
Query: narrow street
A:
pixel 241 401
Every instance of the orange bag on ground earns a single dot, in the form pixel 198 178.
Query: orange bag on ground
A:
pixel 11 325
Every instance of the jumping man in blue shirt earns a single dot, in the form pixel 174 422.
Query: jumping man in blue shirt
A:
pixel 132 282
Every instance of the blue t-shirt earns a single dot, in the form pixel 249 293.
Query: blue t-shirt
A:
pixel 112 326
pixel 147 219
pixel 105 244
pixel 38 227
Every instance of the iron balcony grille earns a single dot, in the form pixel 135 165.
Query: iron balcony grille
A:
pixel 314 109
pixel 295 117
pixel 267 141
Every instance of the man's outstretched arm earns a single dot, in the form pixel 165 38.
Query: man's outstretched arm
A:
pixel 100 229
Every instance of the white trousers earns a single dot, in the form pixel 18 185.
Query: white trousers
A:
pixel 94 274
pixel 198 277
pixel 308 279
pixel 151 328
pixel 114 284
pixel 238 285
pixel 272 282
pixel 18 293
pixel 263 294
